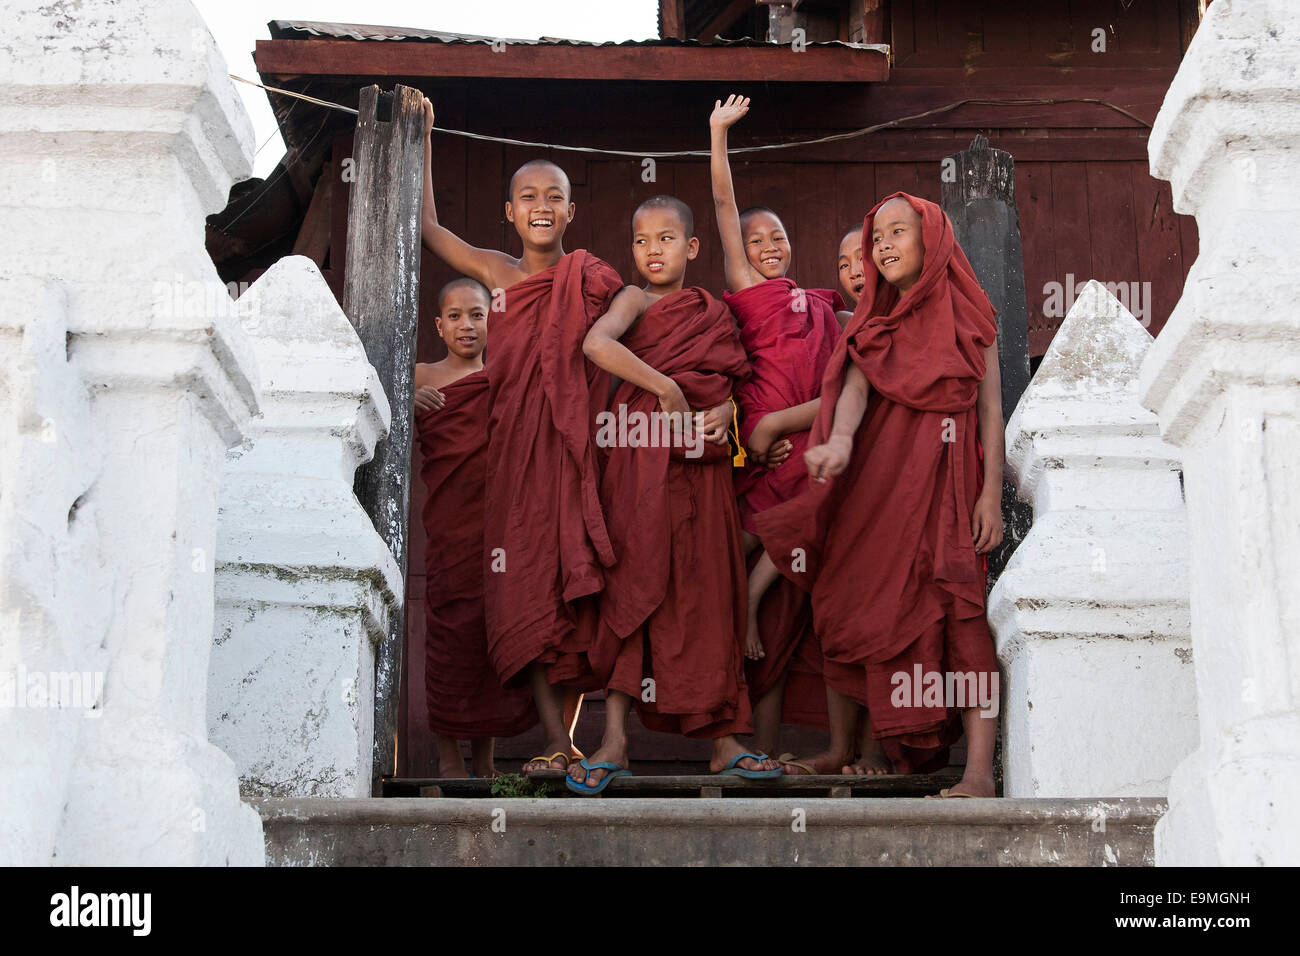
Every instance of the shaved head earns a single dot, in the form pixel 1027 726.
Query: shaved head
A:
pixel 897 209
pixel 546 168
pixel 673 205
pixel 753 211
pixel 467 283
pixel 853 231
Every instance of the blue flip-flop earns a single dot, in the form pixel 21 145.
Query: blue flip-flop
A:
pixel 733 770
pixel 613 770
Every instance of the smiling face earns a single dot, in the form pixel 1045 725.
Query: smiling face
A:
pixel 539 204
pixel 766 244
pixel 463 320
pixel 661 247
pixel 852 279
pixel 897 248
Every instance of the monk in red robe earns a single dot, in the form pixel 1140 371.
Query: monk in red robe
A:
pixel 789 334
pixel 672 614
pixel 545 542
pixel 465 698
pixel 904 503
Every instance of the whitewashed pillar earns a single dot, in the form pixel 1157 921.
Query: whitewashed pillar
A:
pixel 1224 378
pixel 120 133
pixel 305 584
pixel 1090 616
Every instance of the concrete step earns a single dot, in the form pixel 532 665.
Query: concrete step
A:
pixel 732 831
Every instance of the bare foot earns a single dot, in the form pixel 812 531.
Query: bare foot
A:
pixel 610 751
pixel 872 762
pixel 452 771
pixel 822 763
pixel 725 749
pixel 486 772
pixel 753 643
pixel 969 786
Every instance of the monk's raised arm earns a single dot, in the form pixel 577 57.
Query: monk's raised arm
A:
pixel 603 347
pixel 736 268
pixel 485 265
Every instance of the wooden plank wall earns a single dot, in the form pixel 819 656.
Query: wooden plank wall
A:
pixel 1088 206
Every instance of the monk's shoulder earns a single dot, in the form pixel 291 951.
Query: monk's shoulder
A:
pixel 440 375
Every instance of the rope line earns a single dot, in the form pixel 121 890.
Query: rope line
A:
pixel 672 154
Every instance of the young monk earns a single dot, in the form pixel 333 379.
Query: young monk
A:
pixel 545 542
pixel 465 698
pixel 789 334
pixel 904 501
pixel 852 278
pixel 672 615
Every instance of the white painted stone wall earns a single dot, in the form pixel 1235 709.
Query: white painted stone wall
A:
pixel 1090 616
pixel 119 133
pixel 304 582
pixel 1224 378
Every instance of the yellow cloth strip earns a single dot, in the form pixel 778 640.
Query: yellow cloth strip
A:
pixel 737 460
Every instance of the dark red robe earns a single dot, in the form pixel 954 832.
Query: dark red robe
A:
pixel 789 334
pixel 893 572
pixel 465 698
pixel 545 541
pixel 673 608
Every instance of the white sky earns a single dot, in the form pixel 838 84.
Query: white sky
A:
pixel 238 24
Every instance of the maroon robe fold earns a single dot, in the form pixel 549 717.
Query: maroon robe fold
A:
pixel 893 572
pixel 673 608
pixel 789 334
pixel 545 541
pixel 465 697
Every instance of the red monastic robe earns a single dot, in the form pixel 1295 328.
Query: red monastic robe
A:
pixel 673 608
pixel 893 572
pixel 545 541
pixel 465 698
pixel 789 334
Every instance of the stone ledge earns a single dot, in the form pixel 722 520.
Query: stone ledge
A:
pixel 677 832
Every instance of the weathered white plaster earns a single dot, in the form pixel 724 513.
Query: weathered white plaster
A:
pixel 119 133
pixel 304 582
pixel 1090 616
pixel 1224 378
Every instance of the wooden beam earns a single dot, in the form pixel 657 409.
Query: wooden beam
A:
pixel 672 19
pixel 729 15
pixel 314 235
pixel 381 299
pixel 724 64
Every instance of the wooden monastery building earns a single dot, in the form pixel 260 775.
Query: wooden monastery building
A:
pixel 1068 87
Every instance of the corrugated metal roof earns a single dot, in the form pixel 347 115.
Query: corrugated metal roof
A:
pixel 300 29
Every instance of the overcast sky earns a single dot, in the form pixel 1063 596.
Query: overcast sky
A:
pixel 239 24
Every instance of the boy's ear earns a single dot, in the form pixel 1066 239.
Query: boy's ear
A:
pixel 572 209
pixel 692 248
pixel 510 212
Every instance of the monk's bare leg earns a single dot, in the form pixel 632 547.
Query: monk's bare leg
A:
pixel 761 578
pixel 872 759
pixel 550 708
pixel 767 717
pixel 482 753
pixel 725 749
pixel 750 541
pixel 613 745
pixel 981 735
pixel 451 763
pixel 842 713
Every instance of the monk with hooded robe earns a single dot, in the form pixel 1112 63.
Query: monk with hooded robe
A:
pixel 903 505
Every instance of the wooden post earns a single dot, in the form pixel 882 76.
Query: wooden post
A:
pixel 978 187
pixel 381 298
